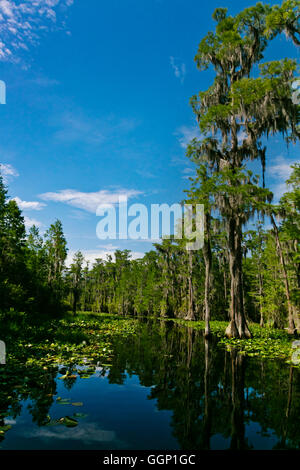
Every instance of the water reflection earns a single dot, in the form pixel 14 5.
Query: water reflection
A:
pixel 167 387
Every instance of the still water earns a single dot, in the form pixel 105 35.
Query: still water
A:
pixel 166 388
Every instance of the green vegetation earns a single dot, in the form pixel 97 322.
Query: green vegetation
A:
pixel 266 342
pixel 241 275
pixel 208 390
pixel 68 341
pixel 37 353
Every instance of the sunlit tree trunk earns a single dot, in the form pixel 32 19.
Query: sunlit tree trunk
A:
pixel 191 303
pixel 238 325
pixel 260 299
pixel 291 324
pixel 207 254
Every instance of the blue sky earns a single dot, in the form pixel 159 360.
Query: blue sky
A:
pixel 98 105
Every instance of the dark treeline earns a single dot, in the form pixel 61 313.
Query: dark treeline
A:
pixel 31 266
pixel 240 274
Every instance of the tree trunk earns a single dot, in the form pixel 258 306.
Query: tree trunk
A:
pixel 238 326
pixel 208 265
pixel 75 299
pixel 291 328
pixel 260 299
pixel 225 286
pixel 191 311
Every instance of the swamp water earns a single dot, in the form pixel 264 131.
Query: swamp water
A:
pixel 165 388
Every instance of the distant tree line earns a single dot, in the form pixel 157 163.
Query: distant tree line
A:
pixel 169 281
pixel 240 274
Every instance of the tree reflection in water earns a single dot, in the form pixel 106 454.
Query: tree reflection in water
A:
pixel 217 398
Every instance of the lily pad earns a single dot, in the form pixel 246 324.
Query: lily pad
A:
pixel 80 415
pixel 3 429
pixel 68 422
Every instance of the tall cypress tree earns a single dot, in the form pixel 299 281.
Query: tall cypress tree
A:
pixel 237 111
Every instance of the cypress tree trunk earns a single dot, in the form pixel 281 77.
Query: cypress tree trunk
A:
pixel 191 311
pixel 238 326
pixel 260 298
pixel 208 265
pixel 291 324
pixel 225 286
pixel 75 300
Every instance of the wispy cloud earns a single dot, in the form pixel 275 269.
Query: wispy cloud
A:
pixel 44 82
pixel 8 172
pixel 29 205
pixel 187 133
pixel 29 222
pixel 78 127
pixel 88 201
pixel 280 170
pixel 145 174
pixel 179 69
pixel 78 215
pixel 23 23
pixel 188 172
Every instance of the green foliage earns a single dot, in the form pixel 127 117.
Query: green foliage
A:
pixel 31 268
pixel 259 272
pixel 284 18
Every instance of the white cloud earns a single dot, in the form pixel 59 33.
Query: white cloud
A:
pixel 8 172
pixel 22 23
pixel 86 432
pixel 109 247
pixel 91 256
pixel 281 168
pixel 187 133
pixel 30 222
pixel 280 171
pixel 29 205
pixel 242 135
pixel 88 201
pixel 188 172
pixel 178 69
